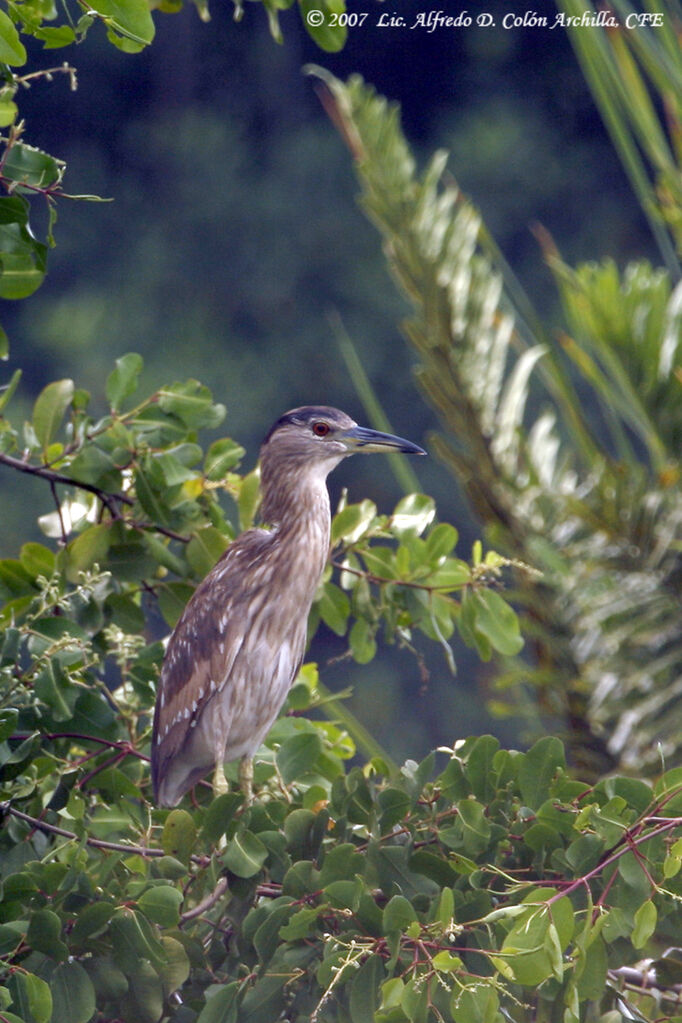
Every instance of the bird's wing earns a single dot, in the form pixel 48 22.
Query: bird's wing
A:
pixel 204 645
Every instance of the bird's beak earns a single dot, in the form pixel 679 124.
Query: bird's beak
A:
pixel 362 440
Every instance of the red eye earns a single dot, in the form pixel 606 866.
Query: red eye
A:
pixel 320 429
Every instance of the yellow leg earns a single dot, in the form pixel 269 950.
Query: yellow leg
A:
pixel 220 786
pixel 246 779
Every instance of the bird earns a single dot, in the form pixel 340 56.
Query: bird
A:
pixel 237 647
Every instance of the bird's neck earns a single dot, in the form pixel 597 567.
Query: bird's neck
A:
pixel 297 503
pixel 298 509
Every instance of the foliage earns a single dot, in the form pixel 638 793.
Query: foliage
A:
pixel 491 883
pixel 137 522
pixel 592 498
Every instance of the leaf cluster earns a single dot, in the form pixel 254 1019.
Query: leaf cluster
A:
pixel 107 902
pixel 492 883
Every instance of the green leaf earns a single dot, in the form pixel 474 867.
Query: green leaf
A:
pixel 476 1004
pixel 222 456
pixel 531 949
pixel 131 18
pixel 53 688
pixel 496 621
pixel 592 977
pixel 49 409
pixel 176 969
pixel 23 259
pixel 434 867
pixel 538 768
pixel 352 521
pixel 446 962
pixel 394 804
pixel 362 643
pixel 298 754
pixel 441 540
pixel 151 495
pixel 334 608
pixel 8 722
pixel 54 38
pixel 245 854
pixel 399 913
pixel 130 562
pixel 9 388
pixel 27 165
pixel 219 815
pixel 72 993
pixel 328 36
pixel 221 1004
pixel 172 600
pixel 11 936
pixel 301 925
pixel 125 612
pixel 476 829
pixel 553 948
pixel 645 924
pixel 365 990
pixel 132 939
pixel 37 559
pixel 413 514
pixel 161 905
pixel 89 547
pixel 12 50
pixel 144 1002
pixel 391 993
pixel 93 465
pixel 479 767
pixel 451 575
pixel 191 401
pixel 91 921
pixel 204 549
pixel 179 835
pixel 44 934
pixel 39 998
pixel 122 382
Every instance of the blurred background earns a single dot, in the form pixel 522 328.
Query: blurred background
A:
pixel 234 235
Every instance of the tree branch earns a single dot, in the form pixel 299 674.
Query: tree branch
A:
pixel 56 477
pixel 108 499
pixel 96 843
pixel 206 903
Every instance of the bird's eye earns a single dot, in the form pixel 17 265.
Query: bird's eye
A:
pixel 320 429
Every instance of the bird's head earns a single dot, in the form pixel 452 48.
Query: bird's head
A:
pixel 320 435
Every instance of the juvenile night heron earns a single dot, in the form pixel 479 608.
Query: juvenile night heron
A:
pixel 239 644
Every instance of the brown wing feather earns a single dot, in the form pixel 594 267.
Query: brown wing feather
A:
pixel 203 647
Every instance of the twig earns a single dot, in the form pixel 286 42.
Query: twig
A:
pixel 672 822
pixel 56 477
pixel 96 843
pixel 206 903
pixel 382 580
pixel 108 499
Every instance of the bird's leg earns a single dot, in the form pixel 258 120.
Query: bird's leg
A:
pixel 246 779
pixel 220 786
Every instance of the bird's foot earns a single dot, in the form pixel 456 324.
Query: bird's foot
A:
pixel 220 786
pixel 246 779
